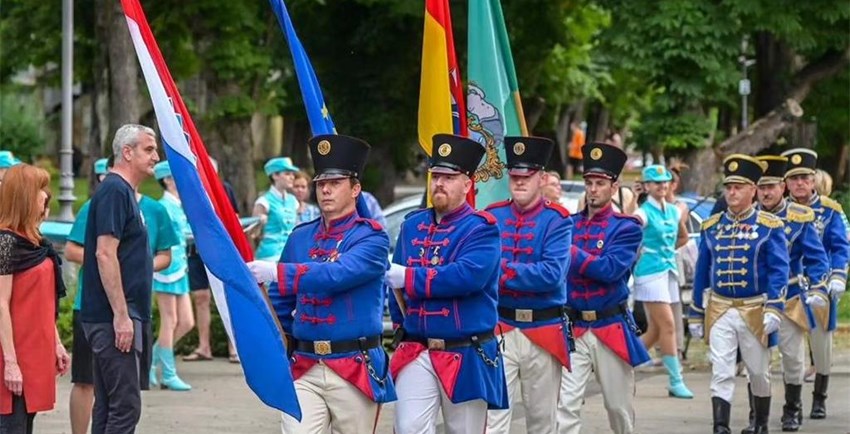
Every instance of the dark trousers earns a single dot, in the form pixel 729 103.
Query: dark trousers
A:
pixel 117 392
pixel 19 421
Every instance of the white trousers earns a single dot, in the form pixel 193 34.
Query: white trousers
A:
pixel 534 378
pixel 421 397
pixel 729 333
pixel 821 341
pixel 615 377
pixel 330 404
pixel 791 339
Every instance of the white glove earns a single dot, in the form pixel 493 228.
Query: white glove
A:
pixel 395 276
pixel 815 302
pixel 836 288
pixel 263 271
pixel 697 330
pixel 771 322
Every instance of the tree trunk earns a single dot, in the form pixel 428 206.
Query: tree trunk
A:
pixel 597 123
pixel 701 177
pixel 231 142
pixel 773 58
pixel 763 132
pixel 534 110
pixel 380 178
pixel 123 70
pixel 296 132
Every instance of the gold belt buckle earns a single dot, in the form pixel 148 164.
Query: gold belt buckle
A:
pixel 437 344
pixel 322 348
pixel 523 315
pixel 588 315
pixel 737 302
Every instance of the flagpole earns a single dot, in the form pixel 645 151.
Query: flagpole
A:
pixel 66 153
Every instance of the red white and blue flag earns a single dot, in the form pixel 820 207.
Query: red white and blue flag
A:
pixel 218 234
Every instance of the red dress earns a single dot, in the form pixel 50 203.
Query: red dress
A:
pixel 33 309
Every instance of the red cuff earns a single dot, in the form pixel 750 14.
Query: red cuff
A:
pixel 281 278
pixel 590 258
pixel 408 283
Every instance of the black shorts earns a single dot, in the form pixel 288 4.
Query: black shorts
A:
pixel 198 279
pixel 81 356
pixel 576 163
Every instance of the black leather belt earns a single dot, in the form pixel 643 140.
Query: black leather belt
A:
pixel 595 315
pixel 531 315
pixel 448 344
pixel 323 348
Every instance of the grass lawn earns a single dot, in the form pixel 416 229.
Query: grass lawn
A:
pixel 844 310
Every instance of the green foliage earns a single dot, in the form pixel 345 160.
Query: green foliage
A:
pixel 20 125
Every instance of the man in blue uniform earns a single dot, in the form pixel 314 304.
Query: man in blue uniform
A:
pixel 445 273
pixel 532 289
pixel 809 267
pixel 739 284
pixel 800 178
pixel 605 247
pixel 335 267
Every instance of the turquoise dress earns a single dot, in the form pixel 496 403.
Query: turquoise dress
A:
pixel 161 235
pixel 282 218
pixel 175 278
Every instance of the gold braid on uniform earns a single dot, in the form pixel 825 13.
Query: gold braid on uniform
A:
pixel 711 221
pixel 829 203
pixel 800 213
pixel 769 220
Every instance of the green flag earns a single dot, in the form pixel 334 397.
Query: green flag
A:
pixel 493 104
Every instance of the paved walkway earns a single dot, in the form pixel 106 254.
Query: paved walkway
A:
pixel 221 403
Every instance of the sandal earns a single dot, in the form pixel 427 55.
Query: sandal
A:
pixel 233 358
pixel 197 357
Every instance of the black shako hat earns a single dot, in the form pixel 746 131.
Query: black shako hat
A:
pixel 455 154
pixel 602 159
pixel 336 156
pixel 801 161
pixel 774 173
pixel 742 169
pixel 526 155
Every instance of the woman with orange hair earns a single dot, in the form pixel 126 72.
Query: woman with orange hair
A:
pixel 30 288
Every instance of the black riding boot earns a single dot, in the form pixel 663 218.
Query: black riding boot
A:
pixel 721 410
pixel 819 397
pixel 751 427
pixel 762 405
pixel 792 411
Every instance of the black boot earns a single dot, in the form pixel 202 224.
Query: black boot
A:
pixel 792 411
pixel 721 410
pixel 751 428
pixel 762 405
pixel 819 397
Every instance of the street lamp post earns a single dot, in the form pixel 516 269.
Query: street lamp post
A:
pixel 744 84
pixel 66 174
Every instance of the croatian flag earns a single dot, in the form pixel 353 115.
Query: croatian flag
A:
pixel 218 234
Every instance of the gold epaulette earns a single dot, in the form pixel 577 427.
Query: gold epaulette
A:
pixel 711 221
pixel 829 203
pixel 799 213
pixel 769 220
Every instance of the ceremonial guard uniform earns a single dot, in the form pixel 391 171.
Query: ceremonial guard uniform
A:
pixel 335 268
pixel 833 234
pixel 448 357
pixel 739 284
pixel 532 293
pixel 604 249
pixel 809 267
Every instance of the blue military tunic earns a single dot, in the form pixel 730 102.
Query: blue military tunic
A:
pixel 742 257
pixel 336 275
pixel 535 259
pixel 604 250
pixel 808 262
pixel 451 291
pixel 833 234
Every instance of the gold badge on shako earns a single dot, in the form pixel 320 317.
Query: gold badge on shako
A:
pixel 596 154
pixel 796 159
pixel 324 147
pixel 444 150
pixel 519 148
pixel 733 166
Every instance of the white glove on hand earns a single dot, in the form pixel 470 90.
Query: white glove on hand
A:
pixel 837 288
pixel 816 302
pixel 395 276
pixel 771 322
pixel 263 271
pixel 697 330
